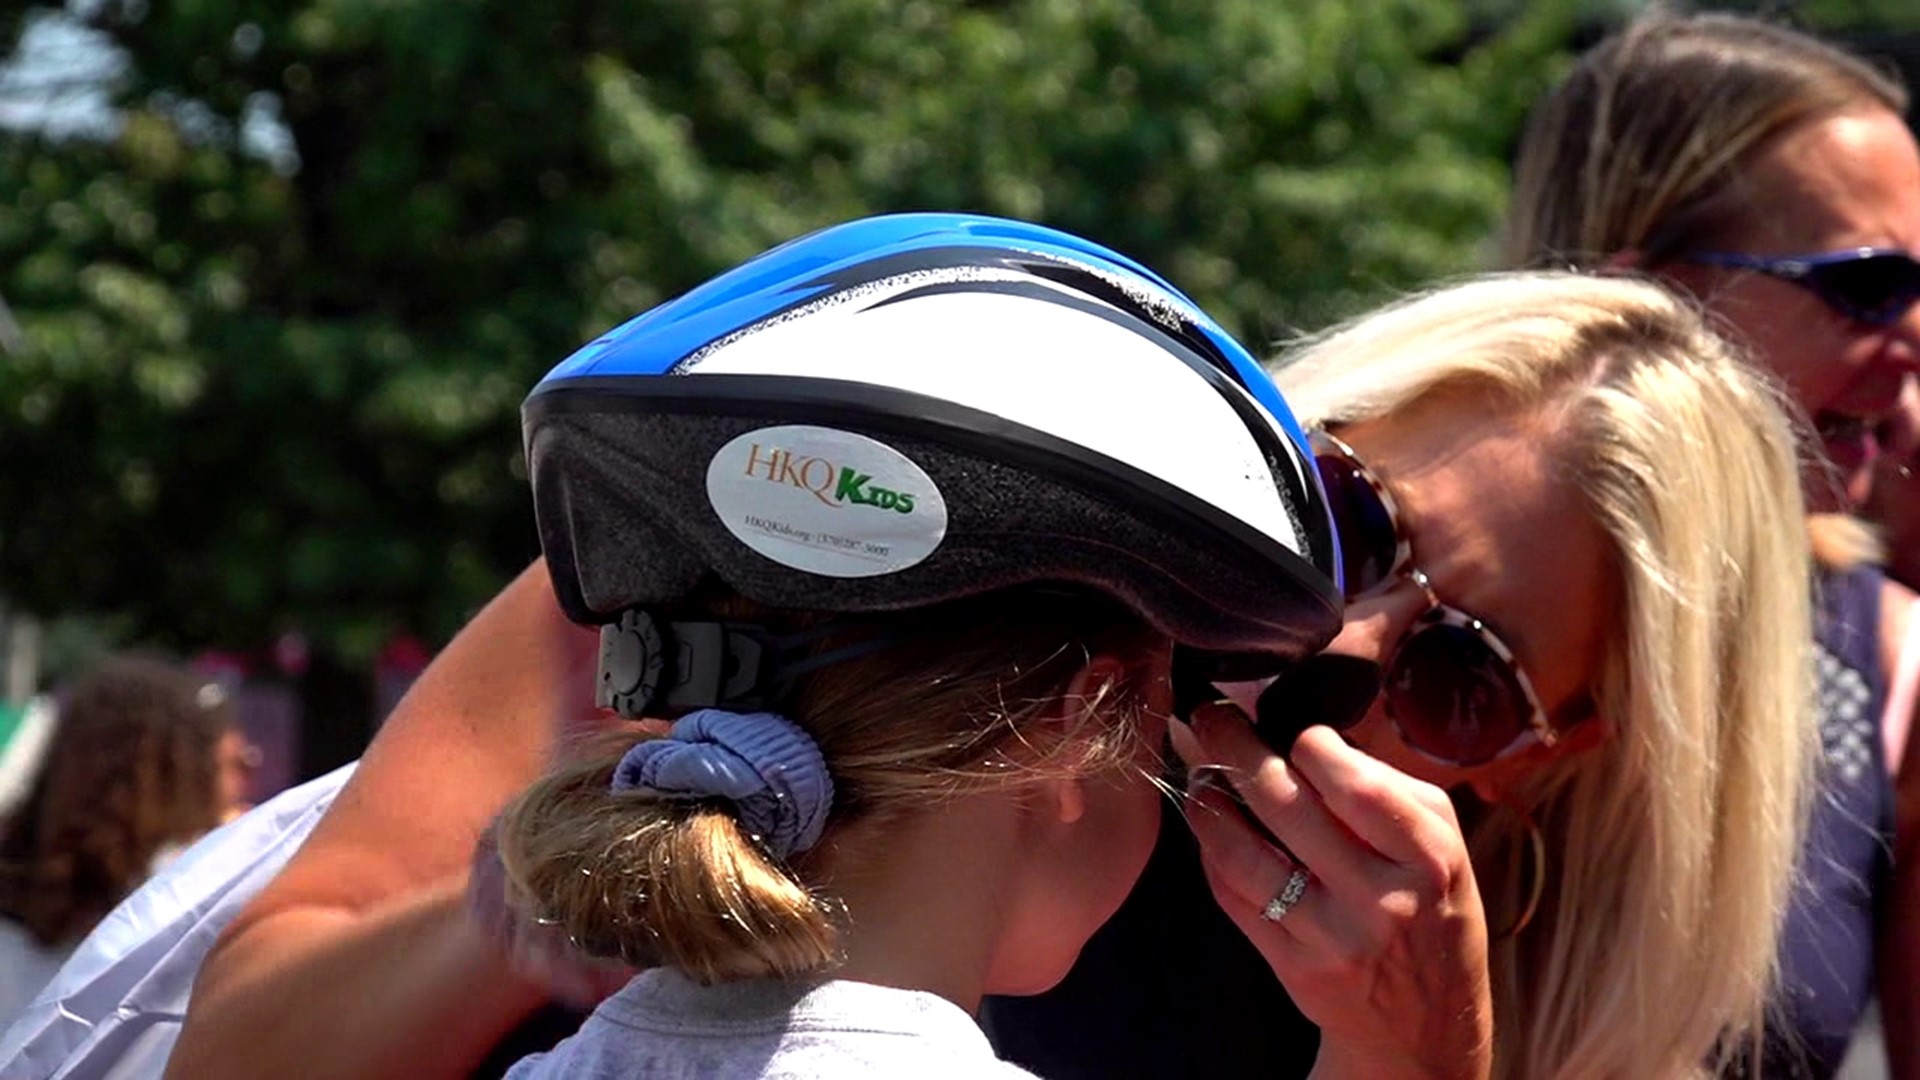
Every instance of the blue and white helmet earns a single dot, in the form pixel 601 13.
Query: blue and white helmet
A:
pixel 909 409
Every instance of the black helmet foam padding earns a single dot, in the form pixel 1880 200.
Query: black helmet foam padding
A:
pixel 593 468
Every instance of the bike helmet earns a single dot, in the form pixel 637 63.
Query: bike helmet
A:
pixel 909 409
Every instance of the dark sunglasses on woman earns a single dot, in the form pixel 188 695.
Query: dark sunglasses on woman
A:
pixel 1452 688
pixel 1876 286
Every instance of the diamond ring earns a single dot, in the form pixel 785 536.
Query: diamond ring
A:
pixel 1289 895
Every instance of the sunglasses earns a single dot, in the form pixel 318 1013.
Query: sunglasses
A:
pixel 1452 688
pixel 1876 286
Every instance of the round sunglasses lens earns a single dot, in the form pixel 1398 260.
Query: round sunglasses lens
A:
pixel 1368 540
pixel 1453 697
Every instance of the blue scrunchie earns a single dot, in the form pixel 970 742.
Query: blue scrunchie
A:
pixel 765 763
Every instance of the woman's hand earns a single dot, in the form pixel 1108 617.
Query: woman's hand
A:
pixel 1386 947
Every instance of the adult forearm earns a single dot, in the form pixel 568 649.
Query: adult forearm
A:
pixel 408 990
pixel 358 961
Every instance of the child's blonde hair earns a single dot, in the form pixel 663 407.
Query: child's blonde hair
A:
pixel 949 704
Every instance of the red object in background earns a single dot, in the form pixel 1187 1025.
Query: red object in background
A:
pixel 405 654
pixel 394 671
pixel 290 654
pixel 226 668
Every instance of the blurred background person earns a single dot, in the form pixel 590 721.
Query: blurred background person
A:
pixel 1772 176
pixel 145 759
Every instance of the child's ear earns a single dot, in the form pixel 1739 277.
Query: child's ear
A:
pixel 1069 799
pixel 1093 687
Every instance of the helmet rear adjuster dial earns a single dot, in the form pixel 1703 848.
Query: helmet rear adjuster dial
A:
pixel 713 664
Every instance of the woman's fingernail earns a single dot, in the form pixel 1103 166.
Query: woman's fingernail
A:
pixel 1206 778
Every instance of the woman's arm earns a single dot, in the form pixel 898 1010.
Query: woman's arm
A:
pixel 1900 662
pixel 1899 945
pixel 358 961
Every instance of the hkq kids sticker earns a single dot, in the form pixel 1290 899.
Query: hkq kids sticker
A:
pixel 825 501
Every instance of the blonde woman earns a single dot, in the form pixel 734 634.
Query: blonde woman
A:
pixel 1772 176
pixel 1565 509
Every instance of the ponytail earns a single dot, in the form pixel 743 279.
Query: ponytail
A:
pixel 654 880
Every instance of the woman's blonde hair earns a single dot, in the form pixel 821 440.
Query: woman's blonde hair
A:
pixel 947 705
pixel 1673 844
pixel 1644 147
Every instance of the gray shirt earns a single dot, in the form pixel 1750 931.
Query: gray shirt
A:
pixel 665 1025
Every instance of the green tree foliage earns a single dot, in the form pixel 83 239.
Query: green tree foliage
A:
pixel 272 384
